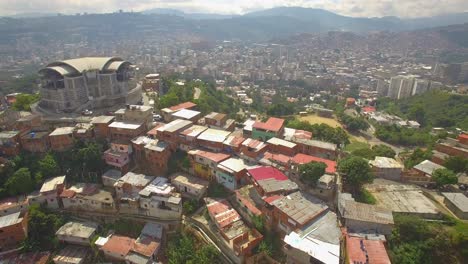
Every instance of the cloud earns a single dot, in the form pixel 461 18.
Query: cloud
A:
pixel 359 8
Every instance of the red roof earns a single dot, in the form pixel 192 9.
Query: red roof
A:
pixel 280 158
pixel 153 131
pixel 368 109
pixel 186 105
pixel 67 193
pixel 235 141
pixel 302 134
pixel 214 156
pixel 252 208
pixel 146 246
pixel 222 212
pixel 272 124
pixel 350 100
pixel 272 198
pixel 464 136
pixel 119 245
pixel 303 159
pixel 263 173
pixel 375 251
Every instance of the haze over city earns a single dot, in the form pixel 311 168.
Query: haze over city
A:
pixel 354 8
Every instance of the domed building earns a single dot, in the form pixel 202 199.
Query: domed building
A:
pixel 84 83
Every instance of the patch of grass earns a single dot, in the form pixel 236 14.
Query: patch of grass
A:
pixel 354 145
pixel 315 119
pixel 365 196
pixel 217 190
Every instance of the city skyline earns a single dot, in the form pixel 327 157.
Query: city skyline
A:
pixel 366 8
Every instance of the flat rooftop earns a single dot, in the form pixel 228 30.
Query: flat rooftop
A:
pixel 62 131
pixel 175 125
pixel 316 143
pixel 125 125
pixel 159 186
pixel 214 135
pixel 11 219
pixel 300 207
pixel 384 162
pixel 366 212
pixel 77 229
pixel 233 165
pixel 194 131
pixel 136 179
pixel 51 184
pixel 186 114
pixel 193 182
pixel 281 142
pixel 71 255
pixel 428 167
pixel 403 199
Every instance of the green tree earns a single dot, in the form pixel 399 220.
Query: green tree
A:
pixel 312 171
pixel 259 223
pixel 24 101
pixel 364 152
pixel 444 176
pixel 20 182
pixel 41 229
pixel 383 151
pixel 456 164
pixel 356 171
pixel 417 157
pixel 48 166
pixel 417 113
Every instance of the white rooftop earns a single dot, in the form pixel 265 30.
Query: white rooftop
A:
pixel 281 142
pixel 124 125
pixel 51 184
pixel 384 162
pixel 136 179
pixel 214 135
pixel 186 114
pixel 159 186
pixel 428 167
pixel 233 165
pixel 62 131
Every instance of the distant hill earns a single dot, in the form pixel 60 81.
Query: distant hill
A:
pixel 277 23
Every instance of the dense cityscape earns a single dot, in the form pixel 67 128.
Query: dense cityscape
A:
pixel 285 135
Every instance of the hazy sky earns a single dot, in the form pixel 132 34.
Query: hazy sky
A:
pixel 367 8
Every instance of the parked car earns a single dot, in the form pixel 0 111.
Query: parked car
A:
pixel 87 112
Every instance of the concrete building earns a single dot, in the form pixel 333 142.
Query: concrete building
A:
pixel 190 187
pixel 270 181
pixel 296 210
pixel 253 149
pixel 151 82
pixel 88 197
pixel 170 132
pixel 126 131
pixel 131 183
pixel 77 233
pixel 136 114
pixel 318 242
pixel 110 177
pixel 205 163
pixel 231 173
pixel 117 247
pixel 386 168
pixel 51 190
pixel 457 203
pixel 382 88
pixel 84 83
pixel 365 218
pixel 213 139
pixel 420 86
pixel 188 137
pixel 159 199
pixel 118 155
pixel 405 199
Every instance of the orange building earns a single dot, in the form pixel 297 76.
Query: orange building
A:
pixel 101 126
pixel 61 139
pixel 13 230
pixel 35 141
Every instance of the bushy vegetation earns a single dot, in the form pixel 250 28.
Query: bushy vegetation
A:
pixel 414 240
pixel 24 101
pixel 124 227
pixel 376 151
pixel 209 100
pixel 27 171
pixel 26 84
pixel 444 176
pixel 432 109
pixel 353 124
pixel 417 156
pixel 42 226
pixel 364 196
pixel 311 172
pixel 184 248
pixel 456 164
pixel 321 131
pixel 404 136
pixel 281 109
pixel 356 172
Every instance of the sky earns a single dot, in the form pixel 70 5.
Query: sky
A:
pixel 355 8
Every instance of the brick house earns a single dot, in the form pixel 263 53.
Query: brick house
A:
pixel 157 155
pixel 10 143
pixel 170 132
pixel 125 131
pixel 213 139
pixel 253 149
pixel 317 148
pixel 231 173
pixel 35 142
pixel 13 230
pixel 263 131
pixel 61 139
pixel 277 145
pixel 101 126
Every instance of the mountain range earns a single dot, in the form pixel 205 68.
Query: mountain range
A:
pixel 275 23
